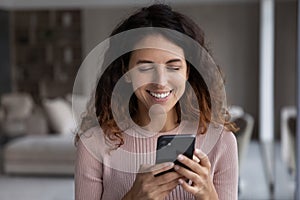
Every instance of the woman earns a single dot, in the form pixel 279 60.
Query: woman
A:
pixel 154 89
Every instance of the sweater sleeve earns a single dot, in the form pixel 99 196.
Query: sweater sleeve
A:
pixel 88 175
pixel 226 171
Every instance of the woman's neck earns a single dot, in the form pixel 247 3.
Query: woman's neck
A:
pixel 157 122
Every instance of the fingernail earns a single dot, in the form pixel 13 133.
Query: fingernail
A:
pixel 176 167
pixel 180 157
pixel 180 181
pixel 197 151
pixel 169 164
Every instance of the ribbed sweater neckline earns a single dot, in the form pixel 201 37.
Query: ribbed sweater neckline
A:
pixel 146 133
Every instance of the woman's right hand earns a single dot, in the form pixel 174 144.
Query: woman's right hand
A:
pixel 147 186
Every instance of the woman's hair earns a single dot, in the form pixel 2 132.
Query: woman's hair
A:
pixel 161 16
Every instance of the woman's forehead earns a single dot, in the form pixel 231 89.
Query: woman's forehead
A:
pixel 155 56
pixel 159 43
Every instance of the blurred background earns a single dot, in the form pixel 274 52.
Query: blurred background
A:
pixel 43 43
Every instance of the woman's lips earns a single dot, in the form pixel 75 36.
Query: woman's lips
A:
pixel 160 96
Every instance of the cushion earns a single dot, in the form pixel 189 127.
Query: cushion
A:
pixel 17 106
pixel 14 127
pixel 60 115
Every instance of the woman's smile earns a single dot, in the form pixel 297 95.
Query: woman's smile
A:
pixel 160 96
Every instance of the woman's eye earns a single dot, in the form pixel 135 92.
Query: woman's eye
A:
pixel 175 68
pixel 144 68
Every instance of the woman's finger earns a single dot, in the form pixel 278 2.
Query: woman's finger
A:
pixel 156 169
pixel 168 186
pixel 204 161
pixel 193 165
pixel 167 178
pixel 186 186
pixel 190 175
pixel 196 159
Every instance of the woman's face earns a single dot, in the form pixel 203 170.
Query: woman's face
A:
pixel 158 76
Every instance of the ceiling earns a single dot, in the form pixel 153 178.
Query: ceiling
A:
pixel 43 4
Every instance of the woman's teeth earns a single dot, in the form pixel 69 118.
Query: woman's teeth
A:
pixel 160 95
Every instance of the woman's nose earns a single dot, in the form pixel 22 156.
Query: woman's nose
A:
pixel 160 77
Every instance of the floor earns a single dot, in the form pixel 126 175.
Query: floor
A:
pixel 253 180
pixel 253 183
pixel 38 188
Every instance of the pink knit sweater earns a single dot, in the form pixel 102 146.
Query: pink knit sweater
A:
pixel 104 174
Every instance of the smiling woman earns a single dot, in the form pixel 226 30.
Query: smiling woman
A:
pixel 164 83
pixel 158 77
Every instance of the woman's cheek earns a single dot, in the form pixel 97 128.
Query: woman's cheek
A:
pixel 179 83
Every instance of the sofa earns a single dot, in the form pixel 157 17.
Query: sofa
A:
pixel 40 138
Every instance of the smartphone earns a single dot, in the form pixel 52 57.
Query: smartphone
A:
pixel 170 146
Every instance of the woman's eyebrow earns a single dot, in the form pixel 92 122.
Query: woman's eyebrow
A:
pixel 149 61
pixel 173 60
pixel 144 61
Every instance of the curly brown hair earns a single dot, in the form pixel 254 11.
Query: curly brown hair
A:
pixel 198 99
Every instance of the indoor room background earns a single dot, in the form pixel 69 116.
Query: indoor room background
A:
pixel 232 30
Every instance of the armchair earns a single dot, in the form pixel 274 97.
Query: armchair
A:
pixel 288 137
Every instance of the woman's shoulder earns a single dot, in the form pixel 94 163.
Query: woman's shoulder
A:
pixel 217 138
pixel 93 134
pixel 227 141
pixel 228 135
pixel 94 142
pixel 225 136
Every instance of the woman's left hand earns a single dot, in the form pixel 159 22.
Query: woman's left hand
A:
pixel 199 173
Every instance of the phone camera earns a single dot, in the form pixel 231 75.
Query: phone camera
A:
pixel 164 142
